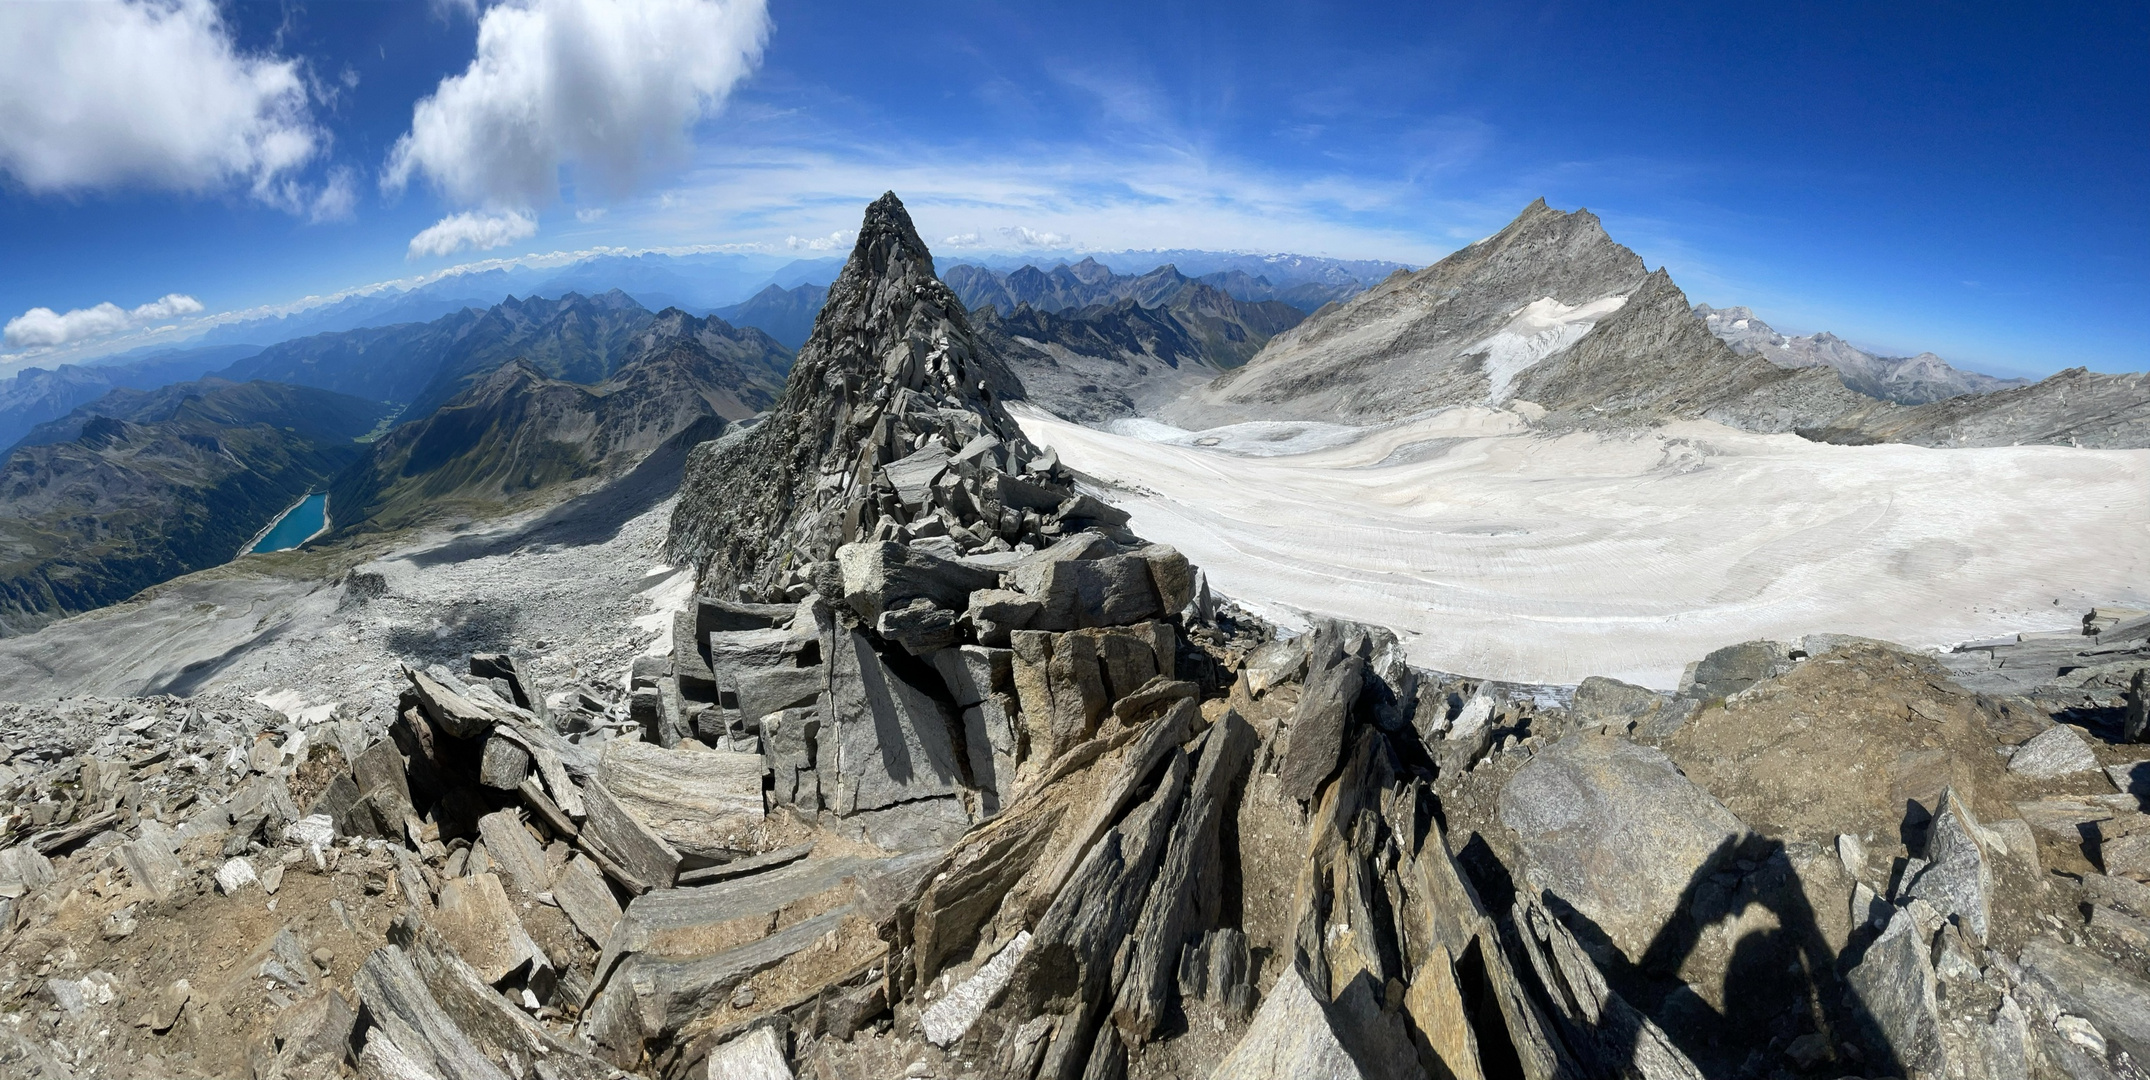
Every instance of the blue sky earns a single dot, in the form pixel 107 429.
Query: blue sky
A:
pixel 1921 177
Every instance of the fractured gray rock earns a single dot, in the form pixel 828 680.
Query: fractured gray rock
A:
pixel 631 847
pixel 880 576
pixel 1187 895
pixel 2090 986
pixel 892 741
pixel 1958 877
pixel 649 996
pixel 1893 991
pixel 477 919
pixel 698 800
pixel 2055 752
pixel 580 890
pixel 1615 830
pixel 1334 679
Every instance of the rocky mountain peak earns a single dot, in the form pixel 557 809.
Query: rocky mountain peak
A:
pixel 892 370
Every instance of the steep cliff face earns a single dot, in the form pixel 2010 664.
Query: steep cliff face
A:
pixel 892 352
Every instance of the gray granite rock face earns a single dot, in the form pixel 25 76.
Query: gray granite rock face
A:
pixel 1333 681
pixel 1615 830
pixel 2090 986
pixel 1958 877
pixel 2055 752
pixel 1893 991
pixel 892 740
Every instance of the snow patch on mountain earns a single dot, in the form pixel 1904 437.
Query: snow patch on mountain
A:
pixel 1537 330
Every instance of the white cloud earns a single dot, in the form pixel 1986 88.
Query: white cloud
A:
pixel 841 238
pixel 43 327
pixel 148 93
pixel 969 239
pixel 606 89
pixel 1031 238
pixel 589 214
pixel 476 231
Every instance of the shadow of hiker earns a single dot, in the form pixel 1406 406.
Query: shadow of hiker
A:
pixel 1781 979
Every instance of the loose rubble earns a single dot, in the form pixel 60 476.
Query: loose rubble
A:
pixel 949 774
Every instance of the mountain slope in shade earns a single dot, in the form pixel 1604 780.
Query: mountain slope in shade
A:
pixel 1123 358
pixel 784 314
pixel 518 433
pixel 1905 380
pixel 160 484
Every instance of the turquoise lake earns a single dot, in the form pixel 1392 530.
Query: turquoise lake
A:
pixel 296 525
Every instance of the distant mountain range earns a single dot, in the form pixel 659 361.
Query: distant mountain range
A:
pixel 1125 357
pixel 1905 380
pixel 35 395
pixel 1091 282
pixel 517 431
pixel 784 314
pixel 581 339
pixel 1550 315
pixel 144 486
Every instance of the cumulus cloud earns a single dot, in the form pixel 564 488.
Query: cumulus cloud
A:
pixel 1021 236
pixel 149 93
pixel 969 239
pixel 474 231
pixel 43 327
pixel 605 89
pixel 841 238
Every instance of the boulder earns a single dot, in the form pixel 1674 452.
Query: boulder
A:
pixel 893 742
pixel 628 850
pixel 514 852
pixel 1614 830
pixel 2055 752
pixel 756 1055
pixel 2090 986
pixel 880 576
pixel 405 1014
pixel 382 787
pixel 1958 877
pixel 1600 700
pixel 698 800
pixel 952 1016
pixel 995 613
pixel 479 922
pixel 1892 994
pixel 580 890
pixel 1274 662
pixel 1333 681
pixel 1734 668
pixel 758 672
pixel 504 764
pixel 1293 1036
pixel 919 627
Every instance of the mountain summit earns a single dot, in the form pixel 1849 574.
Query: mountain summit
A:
pixel 1549 310
pixel 892 350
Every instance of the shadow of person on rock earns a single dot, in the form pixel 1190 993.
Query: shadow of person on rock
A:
pixel 1781 978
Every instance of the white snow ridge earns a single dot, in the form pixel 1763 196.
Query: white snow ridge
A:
pixel 1537 330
